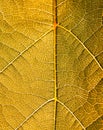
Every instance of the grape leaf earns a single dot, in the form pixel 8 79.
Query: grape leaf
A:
pixel 51 67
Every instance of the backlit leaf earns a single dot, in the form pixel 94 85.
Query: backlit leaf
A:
pixel 51 65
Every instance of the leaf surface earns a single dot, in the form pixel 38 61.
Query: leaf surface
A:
pixel 51 65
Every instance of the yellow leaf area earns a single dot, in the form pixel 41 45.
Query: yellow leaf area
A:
pixel 51 65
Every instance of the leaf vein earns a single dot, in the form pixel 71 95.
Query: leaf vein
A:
pixel 82 45
pixel 20 54
pixel 71 113
pixel 50 100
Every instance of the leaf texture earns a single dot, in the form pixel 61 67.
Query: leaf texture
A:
pixel 51 65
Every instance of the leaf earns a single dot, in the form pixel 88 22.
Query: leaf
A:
pixel 51 67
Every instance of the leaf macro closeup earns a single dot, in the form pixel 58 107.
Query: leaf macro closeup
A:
pixel 51 65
